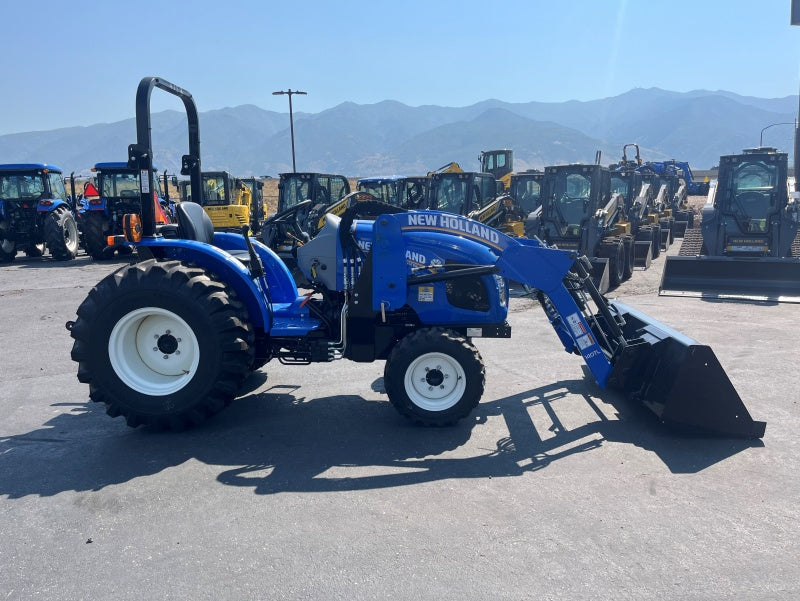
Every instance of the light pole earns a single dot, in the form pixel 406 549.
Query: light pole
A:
pixel 289 92
pixel 761 139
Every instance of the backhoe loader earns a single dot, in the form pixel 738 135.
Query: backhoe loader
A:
pixel 499 163
pixel 227 200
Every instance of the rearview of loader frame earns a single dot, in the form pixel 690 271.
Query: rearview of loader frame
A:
pixel 168 341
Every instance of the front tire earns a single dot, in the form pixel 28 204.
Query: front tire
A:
pixel 434 376
pixel 162 344
pixel 61 234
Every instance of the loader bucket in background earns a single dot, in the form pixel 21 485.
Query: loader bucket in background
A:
pixel 679 228
pixel 600 274
pixel 642 254
pixel 759 278
pixel 678 378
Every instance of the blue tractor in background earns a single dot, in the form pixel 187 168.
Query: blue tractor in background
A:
pixel 116 194
pixel 693 187
pixel 169 340
pixel 35 212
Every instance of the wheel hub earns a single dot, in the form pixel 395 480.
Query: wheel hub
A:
pixel 167 343
pixel 434 377
pixel 435 381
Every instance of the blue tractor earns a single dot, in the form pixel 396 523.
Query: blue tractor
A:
pixel 169 340
pixel 117 194
pixel 35 212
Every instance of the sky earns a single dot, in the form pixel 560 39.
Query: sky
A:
pixel 77 63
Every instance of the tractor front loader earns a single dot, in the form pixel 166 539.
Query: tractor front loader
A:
pixel 168 341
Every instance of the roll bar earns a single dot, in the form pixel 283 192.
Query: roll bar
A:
pixel 140 155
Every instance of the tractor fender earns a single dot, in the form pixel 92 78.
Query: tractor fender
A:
pixel 229 270
pixel 47 205
pixel 95 204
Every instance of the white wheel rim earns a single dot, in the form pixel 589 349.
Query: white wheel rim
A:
pixel 435 382
pixel 153 351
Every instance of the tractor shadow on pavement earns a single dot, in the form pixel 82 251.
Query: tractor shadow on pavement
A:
pixel 275 440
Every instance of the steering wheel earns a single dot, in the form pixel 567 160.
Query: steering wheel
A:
pixel 287 220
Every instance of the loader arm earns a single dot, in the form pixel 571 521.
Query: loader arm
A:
pixel 529 262
pixel 676 377
pixel 640 205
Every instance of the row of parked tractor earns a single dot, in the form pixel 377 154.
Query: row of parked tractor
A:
pixel 42 209
pixel 745 243
pixel 620 216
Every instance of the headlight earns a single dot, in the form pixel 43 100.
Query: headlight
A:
pixel 502 289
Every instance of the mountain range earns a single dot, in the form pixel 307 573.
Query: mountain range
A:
pixel 389 137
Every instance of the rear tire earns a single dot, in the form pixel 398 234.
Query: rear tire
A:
pixel 8 247
pixel 61 234
pixel 434 376
pixel 95 225
pixel 162 344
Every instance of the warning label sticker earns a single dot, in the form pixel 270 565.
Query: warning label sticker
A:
pixel 145 181
pixel 425 294
pixel 576 325
pixel 585 342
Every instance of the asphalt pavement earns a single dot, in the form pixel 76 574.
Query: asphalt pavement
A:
pixel 311 486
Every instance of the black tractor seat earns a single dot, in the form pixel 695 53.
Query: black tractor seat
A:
pixel 195 224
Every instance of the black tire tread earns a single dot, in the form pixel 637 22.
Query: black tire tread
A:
pixel 409 347
pixel 54 227
pixel 230 318
pixel 94 234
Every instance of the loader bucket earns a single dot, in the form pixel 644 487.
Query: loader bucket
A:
pixel 678 378
pixel 643 254
pixel 679 228
pixel 760 279
pixel 600 274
